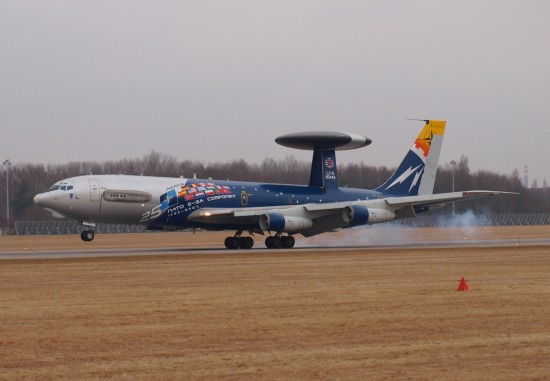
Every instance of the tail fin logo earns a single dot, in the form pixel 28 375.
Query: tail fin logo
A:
pixel 424 143
pixel 329 163
pixel 406 174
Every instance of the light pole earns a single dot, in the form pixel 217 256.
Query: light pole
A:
pixel 453 165
pixel 7 163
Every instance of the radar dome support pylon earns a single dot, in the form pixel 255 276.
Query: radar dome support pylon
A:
pixel 323 170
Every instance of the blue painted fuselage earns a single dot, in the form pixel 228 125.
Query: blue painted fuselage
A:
pixel 178 203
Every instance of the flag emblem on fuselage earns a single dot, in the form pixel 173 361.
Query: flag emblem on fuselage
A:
pixel 168 199
pixel 193 191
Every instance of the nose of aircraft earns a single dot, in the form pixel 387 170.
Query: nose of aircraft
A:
pixel 53 203
pixel 43 199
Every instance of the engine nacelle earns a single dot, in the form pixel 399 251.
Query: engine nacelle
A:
pixel 361 215
pixel 281 223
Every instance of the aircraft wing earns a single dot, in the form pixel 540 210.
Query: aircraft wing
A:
pixel 384 209
pixel 335 215
pixel 441 198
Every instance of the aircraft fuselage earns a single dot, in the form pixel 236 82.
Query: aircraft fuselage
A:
pixel 167 201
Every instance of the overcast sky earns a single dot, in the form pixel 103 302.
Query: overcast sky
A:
pixel 220 80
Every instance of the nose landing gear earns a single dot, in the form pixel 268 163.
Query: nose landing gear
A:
pixel 87 235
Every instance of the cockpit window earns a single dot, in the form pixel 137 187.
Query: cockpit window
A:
pixel 60 186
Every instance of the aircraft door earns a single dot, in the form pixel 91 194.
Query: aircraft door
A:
pixel 95 190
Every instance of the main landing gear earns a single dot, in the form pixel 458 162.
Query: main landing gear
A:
pixel 279 241
pixel 87 235
pixel 238 242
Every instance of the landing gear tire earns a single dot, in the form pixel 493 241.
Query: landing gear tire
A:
pixel 273 242
pixel 277 242
pixel 246 242
pixel 87 235
pixel 288 242
pixel 232 243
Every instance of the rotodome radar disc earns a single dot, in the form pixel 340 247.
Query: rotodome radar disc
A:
pixel 316 140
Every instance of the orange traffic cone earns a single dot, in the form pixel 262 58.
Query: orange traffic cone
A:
pixel 463 286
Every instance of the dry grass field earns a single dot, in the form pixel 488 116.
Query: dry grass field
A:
pixel 347 314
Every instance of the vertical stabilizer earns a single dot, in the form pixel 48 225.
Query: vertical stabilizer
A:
pixel 416 173
pixel 323 169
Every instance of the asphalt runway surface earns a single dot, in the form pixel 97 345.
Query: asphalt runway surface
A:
pixel 121 252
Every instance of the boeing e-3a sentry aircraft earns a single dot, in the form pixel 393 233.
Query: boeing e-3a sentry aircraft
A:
pixel 280 210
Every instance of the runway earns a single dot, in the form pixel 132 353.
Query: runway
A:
pixel 304 248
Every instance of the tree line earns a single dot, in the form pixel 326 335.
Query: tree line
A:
pixel 26 180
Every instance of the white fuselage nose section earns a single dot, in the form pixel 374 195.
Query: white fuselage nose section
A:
pixel 76 201
pixel 105 198
pixel 53 202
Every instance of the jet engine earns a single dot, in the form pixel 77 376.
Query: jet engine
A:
pixel 281 223
pixel 361 215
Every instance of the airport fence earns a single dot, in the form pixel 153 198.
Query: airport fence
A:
pixel 470 219
pixel 448 220
pixel 70 227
